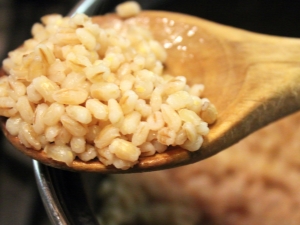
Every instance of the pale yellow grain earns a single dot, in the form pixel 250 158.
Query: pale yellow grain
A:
pixel 23 140
pixel 196 89
pixel 150 61
pixel 209 112
pixel 25 109
pixel 7 102
pixel 128 9
pixel 196 105
pixel 73 80
pixel 36 68
pixel 115 113
pixel 191 131
pixel 45 54
pixel 141 46
pixel 190 116
pixel 158 50
pixel 86 85
pixel 147 149
pixel 122 164
pixel 16 57
pixel 106 136
pixel 105 156
pixel 77 62
pixel 94 28
pixel 45 87
pixel 70 96
pixel 86 38
pixel 93 131
pixel 51 19
pixel 17 87
pixel 124 150
pixel 123 70
pixel 143 108
pixel 8 112
pixel 156 98
pixel 51 132
pixel 116 41
pixel 152 135
pixel 155 121
pixel 176 84
pixel 113 60
pixel 159 147
pixel 143 88
pixel 97 72
pixel 57 71
pixel 193 146
pixel 13 125
pixel 158 68
pixel 39 32
pixel 38 124
pixel 77 144
pixel 81 50
pixel 181 137
pixel 126 84
pixel 64 51
pixel 79 20
pixel 79 113
pixel 89 153
pixel 32 94
pixel 138 63
pixel 62 153
pixel 27 60
pixel 179 100
pixel 66 37
pixel 30 43
pixel 171 117
pixel 105 91
pixel 141 133
pixel 19 73
pixel 130 123
pixel 166 136
pixel 72 126
pixel 98 109
pixel 128 101
pixel 30 136
pixel 4 86
pixel 202 128
pixel 53 114
pixel 43 140
pixel 63 137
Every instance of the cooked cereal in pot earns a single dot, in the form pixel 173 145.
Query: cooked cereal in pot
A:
pixel 76 89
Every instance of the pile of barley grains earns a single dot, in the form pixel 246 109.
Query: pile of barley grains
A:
pixel 78 90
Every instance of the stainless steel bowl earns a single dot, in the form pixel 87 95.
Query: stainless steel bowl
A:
pixel 63 196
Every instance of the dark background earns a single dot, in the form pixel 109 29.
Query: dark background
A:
pixel 20 203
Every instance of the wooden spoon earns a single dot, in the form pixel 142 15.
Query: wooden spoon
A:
pixel 252 79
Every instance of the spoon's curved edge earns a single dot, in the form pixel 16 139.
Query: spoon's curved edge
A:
pixel 172 157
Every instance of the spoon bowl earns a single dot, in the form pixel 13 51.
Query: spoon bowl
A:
pixel 252 79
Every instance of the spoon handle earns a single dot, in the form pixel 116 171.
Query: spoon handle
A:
pixel 267 71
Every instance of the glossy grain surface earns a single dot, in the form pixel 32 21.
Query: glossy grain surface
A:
pixel 252 79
